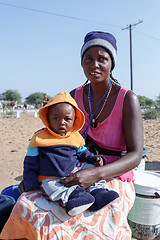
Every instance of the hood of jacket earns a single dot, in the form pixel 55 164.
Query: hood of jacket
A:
pixel 61 98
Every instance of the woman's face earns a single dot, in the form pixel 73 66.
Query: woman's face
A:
pixel 96 64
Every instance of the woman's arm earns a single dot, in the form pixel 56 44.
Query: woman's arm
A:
pixel 133 130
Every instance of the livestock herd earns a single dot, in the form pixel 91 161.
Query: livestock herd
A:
pixel 12 105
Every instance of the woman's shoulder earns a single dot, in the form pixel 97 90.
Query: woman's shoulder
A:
pixel 118 94
pixel 131 104
pixel 72 92
pixel 127 94
pixel 78 89
pixel 126 97
pixel 130 97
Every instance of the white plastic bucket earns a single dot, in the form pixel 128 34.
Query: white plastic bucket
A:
pixel 144 217
pixel 141 166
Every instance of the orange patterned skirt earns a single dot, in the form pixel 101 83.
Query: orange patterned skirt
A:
pixel 36 218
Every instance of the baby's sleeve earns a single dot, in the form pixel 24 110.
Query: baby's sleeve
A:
pixel 84 155
pixel 30 168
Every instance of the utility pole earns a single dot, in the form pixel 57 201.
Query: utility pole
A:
pixel 130 27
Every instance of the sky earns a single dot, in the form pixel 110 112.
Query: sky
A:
pixel 40 43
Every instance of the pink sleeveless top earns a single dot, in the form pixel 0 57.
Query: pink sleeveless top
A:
pixel 108 134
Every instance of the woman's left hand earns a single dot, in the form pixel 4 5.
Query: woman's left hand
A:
pixel 84 178
pixel 99 162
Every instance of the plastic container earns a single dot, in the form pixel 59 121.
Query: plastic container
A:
pixel 144 217
pixel 141 166
pixel 11 191
pixel 6 205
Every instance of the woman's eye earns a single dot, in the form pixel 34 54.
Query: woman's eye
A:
pixel 87 60
pixel 102 59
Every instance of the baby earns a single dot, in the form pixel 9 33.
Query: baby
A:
pixel 57 151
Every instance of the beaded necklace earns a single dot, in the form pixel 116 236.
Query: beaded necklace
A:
pixel 106 95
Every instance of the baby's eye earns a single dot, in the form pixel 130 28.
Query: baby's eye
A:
pixel 56 118
pixel 68 119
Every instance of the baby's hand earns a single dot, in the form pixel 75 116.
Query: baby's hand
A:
pixel 99 162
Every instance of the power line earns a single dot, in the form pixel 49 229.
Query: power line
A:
pixel 130 27
pixel 74 18
pixel 145 34
pixel 56 14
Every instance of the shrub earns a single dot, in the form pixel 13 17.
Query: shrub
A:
pixel 151 114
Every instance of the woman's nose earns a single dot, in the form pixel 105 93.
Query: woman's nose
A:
pixel 95 63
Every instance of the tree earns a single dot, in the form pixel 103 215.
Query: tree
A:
pixel 145 102
pixel 158 101
pixel 35 98
pixel 11 95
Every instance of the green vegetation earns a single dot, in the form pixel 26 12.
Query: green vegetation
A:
pixel 7 114
pixel 35 98
pixel 150 108
pixel 11 95
pixel 145 102
pixel 151 114
pixel 158 102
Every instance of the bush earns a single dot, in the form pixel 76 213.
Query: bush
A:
pixel 8 114
pixel 151 114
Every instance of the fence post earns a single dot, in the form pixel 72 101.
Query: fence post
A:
pixel 35 114
pixel 17 114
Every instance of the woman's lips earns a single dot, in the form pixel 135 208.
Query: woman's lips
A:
pixel 95 73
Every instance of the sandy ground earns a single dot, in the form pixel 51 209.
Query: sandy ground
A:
pixel 16 132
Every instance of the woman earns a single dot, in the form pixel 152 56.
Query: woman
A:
pixel 116 124
pixel 113 127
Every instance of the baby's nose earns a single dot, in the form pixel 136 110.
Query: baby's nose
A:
pixel 62 121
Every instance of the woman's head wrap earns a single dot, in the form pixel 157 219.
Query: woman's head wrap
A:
pixel 102 39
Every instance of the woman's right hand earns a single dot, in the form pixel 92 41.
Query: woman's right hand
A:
pixel 84 178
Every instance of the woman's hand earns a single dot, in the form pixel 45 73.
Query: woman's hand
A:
pixel 84 178
pixel 99 162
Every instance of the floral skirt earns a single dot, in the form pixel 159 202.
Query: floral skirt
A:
pixel 36 218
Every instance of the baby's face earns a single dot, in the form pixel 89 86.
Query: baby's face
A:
pixel 61 118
